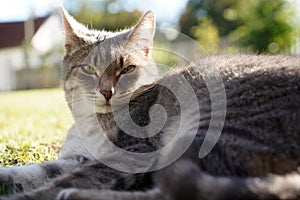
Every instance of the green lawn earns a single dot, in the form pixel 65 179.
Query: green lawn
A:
pixel 33 125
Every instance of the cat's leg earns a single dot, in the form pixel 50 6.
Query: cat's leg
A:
pixel 92 175
pixel 25 178
pixel 184 180
pixel 77 194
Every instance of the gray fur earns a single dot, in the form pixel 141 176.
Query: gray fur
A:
pixel 26 178
pixel 260 137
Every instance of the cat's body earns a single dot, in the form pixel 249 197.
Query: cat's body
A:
pixel 261 134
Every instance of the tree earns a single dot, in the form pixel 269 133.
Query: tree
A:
pixel 198 10
pixel 257 25
pixel 266 26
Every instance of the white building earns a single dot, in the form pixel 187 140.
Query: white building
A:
pixel 23 45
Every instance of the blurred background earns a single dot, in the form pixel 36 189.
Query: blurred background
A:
pixel 31 33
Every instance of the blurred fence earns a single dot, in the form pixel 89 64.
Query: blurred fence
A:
pixel 37 78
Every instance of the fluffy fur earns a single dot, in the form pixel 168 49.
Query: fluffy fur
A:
pixel 260 135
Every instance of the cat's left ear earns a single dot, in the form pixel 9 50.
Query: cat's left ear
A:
pixel 143 32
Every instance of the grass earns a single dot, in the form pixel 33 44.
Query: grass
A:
pixel 33 125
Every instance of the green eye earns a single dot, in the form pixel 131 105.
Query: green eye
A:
pixel 128 69
pixel 88 69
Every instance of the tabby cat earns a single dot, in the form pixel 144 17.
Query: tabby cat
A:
pixel 256 157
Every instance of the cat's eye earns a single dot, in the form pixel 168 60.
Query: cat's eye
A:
pixel 88 69
pixel 128 69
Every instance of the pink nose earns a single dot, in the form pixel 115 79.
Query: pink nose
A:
pixel 107 94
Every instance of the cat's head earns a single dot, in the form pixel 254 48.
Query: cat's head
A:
pixel 102 67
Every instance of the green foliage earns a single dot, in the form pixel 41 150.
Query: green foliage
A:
pixel 32 126
pixel 101 15
pixel 206 33
pixel 261 26
pixel 266 26
pixel 188 20
pixel 215 10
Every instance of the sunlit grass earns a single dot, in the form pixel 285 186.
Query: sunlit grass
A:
pixel 33 125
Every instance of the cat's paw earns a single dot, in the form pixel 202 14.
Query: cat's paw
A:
pixel 68 194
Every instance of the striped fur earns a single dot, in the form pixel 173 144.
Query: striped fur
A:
pixel 240 153
pixel 26 178
pixel 260 136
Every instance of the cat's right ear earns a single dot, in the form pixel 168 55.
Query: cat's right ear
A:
pixel 72 29
pixel 143 32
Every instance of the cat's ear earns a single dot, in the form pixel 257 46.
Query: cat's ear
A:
pixel 73 32
pixel 143 32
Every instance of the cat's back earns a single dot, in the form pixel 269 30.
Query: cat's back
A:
pixel 261 132
pixel 265 86
pixel 269 85
pixel 262 112
pixel 238 66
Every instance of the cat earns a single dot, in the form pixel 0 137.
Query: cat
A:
pixel 103 72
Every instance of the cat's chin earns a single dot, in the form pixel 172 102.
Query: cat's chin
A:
pixel 103 109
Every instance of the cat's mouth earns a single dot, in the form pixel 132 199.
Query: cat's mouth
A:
pixel 104 108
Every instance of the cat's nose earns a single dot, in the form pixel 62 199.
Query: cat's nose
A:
pixel 107 94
